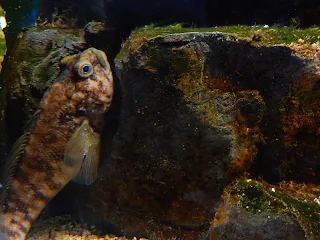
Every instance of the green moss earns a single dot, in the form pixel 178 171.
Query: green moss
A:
pixel 257 197
pixel 257 34
pixel 2 12
pixel 272 35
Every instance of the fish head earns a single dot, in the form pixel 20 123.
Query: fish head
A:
pixel 91 81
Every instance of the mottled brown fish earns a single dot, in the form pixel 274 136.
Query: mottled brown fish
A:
pixel 61 144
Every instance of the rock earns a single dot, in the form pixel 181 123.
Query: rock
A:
pixel 35 58
pixel 107 40
pixel 179 140
pixel 255 210
pixel 198 109
pixel 33 65
pixel 22 14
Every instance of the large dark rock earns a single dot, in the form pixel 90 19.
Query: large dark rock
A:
pixel 197 110
pixel 179 141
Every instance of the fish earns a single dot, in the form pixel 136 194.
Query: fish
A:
pixel 61 144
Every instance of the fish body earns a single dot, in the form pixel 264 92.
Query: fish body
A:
pixel 40 163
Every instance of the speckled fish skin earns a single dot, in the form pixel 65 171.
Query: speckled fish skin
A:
pixel 38 176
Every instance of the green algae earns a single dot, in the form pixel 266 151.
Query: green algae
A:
pixel 274 35
pixel 254 35
pixel 262 35
pixel 258 197
pixel 2 12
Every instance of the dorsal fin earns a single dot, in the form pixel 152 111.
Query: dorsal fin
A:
pixel 9 166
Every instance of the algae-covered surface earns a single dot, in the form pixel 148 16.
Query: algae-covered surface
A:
pixel 307 39
pixel 264 34
pixel 258 197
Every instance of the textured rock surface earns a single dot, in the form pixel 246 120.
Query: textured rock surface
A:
pixel 34 62
pixel 179 141
pixel 253 210
pixel 239 224
pixel 65 228
pixel 33 65
pixel 197 110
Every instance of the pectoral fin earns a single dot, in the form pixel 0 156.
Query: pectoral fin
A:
pixel 81 159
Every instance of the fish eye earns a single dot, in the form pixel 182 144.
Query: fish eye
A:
pixel 85 69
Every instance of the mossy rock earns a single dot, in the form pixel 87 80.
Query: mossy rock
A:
pixel 198 109
pixel 262 205
pixel 32 67
pixel 282 64
pixel 179 140
pixel 35 58
pixel 255 35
